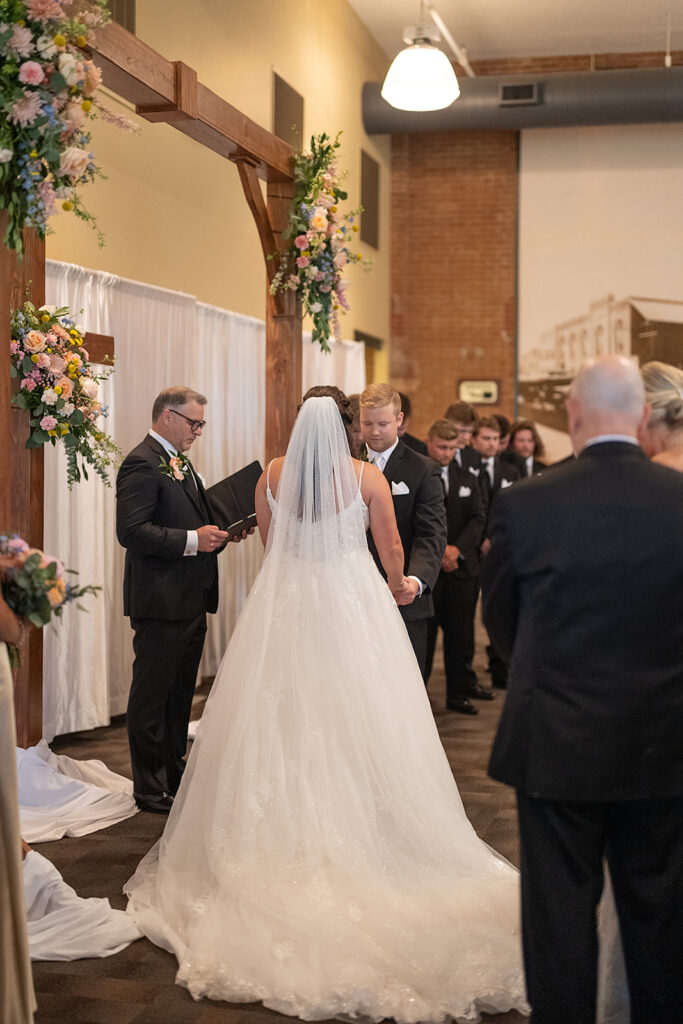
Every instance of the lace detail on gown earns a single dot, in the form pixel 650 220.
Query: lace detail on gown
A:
pixel 318 857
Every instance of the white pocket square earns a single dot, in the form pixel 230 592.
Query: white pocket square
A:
pixel 464 492
pixel 399 488
pixel 473 471
pixel 505 483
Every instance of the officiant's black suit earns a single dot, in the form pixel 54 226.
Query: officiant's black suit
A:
pixel 167 595
pixel 421 520
pixel 582 592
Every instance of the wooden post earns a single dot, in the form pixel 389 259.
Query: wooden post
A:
pixel 283 340
pixel 21 494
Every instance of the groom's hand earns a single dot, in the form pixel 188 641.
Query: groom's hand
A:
pixel 210 538
pixel 407 592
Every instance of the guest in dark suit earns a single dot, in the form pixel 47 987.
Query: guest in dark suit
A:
pixel 413 442
pixel 418 503
pixel 164 522
pixel 455 593
pixel 464 416
pixel 582 592
pixel 505 450
pixel 526 442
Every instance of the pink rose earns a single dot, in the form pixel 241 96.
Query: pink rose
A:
pixel 73 163
pixel 57 364
pixel 340 260
pixel 93 78
pixel 60 332
pixel 301 241
pixel 34 342
pixel 67 387
pixel 27 384
pixel 74 115
pixel 85 355
pixel 175 464
pixel 13 347
pixel 43 361
pixel 31 73
pixel 302 262
pixel 48 423
pixel 17 546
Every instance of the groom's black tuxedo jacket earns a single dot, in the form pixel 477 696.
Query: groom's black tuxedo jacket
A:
pixel 153 514
pixel 582 595
pixel 421 520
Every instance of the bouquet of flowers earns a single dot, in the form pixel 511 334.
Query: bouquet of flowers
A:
pixel 319 240
pixel 34 585
pixel 59 388
pixel 47 96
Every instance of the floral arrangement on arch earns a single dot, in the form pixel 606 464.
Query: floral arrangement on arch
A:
pixel 35 586
pixel 319 237
pixel 59 388
pixel 47 96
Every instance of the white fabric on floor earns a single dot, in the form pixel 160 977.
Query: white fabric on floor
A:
pixel 162 338
pixel 59 796
pixel 61 925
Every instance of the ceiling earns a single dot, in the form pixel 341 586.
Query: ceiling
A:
pixel 491 29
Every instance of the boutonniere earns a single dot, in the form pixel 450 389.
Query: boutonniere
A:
pixel 363 456
pixel 177 466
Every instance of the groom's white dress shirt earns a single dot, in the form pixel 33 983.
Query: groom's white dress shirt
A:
pixel 192 542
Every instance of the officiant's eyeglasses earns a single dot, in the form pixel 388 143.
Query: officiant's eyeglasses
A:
pixel 195 425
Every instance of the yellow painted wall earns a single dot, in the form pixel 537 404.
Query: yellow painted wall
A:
pixel 173 212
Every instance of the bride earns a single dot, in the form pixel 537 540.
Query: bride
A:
pixel 317 857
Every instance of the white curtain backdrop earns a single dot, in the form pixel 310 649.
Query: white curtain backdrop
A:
pixel 162 338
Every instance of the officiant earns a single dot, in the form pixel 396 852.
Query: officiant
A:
pixel 165 523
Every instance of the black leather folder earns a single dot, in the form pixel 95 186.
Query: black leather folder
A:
pixel 232 499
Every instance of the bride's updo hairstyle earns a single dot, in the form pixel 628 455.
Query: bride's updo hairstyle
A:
pixel 664 393
pixel 342 403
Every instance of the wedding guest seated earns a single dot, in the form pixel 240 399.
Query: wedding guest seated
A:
pixel 464 417
pixel 456 590
pixel 662 439
pixel 526 442
pixel 413 442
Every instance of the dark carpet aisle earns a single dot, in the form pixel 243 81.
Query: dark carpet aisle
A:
pixel 137 986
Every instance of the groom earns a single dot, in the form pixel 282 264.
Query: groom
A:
pixel 164 522
pixel 416 489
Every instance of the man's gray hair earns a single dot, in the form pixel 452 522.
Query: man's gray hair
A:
pixel 174 398
pixel 609 384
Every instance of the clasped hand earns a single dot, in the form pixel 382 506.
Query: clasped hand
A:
pixel 406 592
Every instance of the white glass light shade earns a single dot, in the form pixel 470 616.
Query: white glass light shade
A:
pixel 421 77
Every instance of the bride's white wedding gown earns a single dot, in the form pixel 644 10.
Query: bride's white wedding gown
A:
pixel 318 857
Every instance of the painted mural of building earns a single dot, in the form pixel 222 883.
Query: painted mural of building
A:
pixel 641 328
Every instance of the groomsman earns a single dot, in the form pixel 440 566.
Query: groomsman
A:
pixel 413 442
pixel 418 503
pixel 526 442
pixel 582 593
pixel 465 417
pixel 165 523
pixel 455 593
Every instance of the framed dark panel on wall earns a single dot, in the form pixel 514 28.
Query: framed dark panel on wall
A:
pixel 288 113
pixel 123 12
pixel 369 197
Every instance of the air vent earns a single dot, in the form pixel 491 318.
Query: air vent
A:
pixel 523 95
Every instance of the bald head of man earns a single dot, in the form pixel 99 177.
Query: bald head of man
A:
pixel 606 397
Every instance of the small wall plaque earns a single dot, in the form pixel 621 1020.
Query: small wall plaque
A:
pixel 479 392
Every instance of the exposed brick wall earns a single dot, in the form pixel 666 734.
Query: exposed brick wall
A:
pixel 453 251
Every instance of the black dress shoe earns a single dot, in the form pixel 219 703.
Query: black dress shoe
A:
pixel 157 803
pixel 480 693
pixel 462 705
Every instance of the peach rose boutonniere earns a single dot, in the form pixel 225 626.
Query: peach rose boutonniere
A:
pixel 177 466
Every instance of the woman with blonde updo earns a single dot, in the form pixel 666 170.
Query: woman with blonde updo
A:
pixel 662 439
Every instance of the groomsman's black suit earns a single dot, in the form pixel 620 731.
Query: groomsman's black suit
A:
pixel 167 595
pixel 582 593
pixel 414 442
pixel 469 458
pixel 421 519
pixel 455 593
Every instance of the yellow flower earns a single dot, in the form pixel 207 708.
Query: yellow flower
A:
pixel 48 350
pixel 355 227
pixel 34 153
pixel 52 433
pixel 60 40
pixel 45 317
pixel 67 205
pixel 86 105
pixel 35 357
pixel 65 429
pixel 81 40
pixel 58 390
pixel 73 332
pixel 333 209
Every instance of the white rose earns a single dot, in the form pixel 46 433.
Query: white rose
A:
pixel 49 396
pixel 68 408
pixel 70 69
pixel 316 307
pixel 46 46
pixel 73 162
pixel 89 387
pixel 6 155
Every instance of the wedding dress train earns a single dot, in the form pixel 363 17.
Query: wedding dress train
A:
pixel 318 857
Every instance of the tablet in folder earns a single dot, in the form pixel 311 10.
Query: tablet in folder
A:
pixel 232 499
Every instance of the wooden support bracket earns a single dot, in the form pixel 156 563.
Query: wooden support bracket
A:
pixel 184 107
pixel 251 185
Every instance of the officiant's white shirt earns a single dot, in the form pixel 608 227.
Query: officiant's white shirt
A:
pixel 192 541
